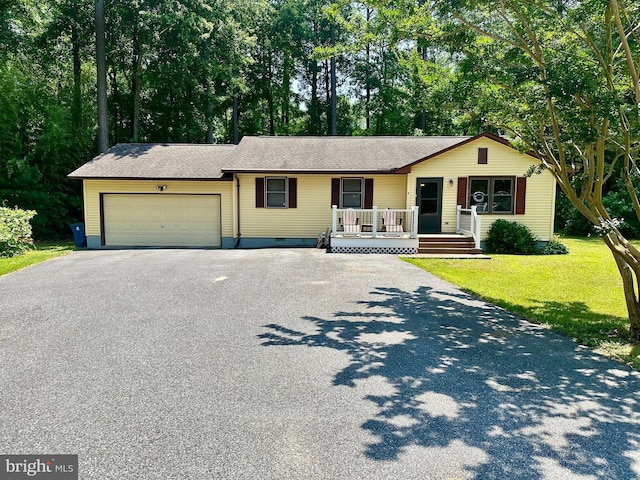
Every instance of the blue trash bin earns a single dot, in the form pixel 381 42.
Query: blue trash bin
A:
pixel 78 234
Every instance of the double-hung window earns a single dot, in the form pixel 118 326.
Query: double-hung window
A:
pixel 352 192
pixel 491 194
pixel 276 192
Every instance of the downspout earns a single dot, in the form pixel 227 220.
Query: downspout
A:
pixel 238 211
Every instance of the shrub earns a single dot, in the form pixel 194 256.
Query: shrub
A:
pixel 554 247
pixel 510 237
pixel 15 231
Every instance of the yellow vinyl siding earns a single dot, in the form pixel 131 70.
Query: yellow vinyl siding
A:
pixel 502 161
pixel 93 189
pixel 313 212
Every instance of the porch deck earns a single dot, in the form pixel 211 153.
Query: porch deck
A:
pixel 396 231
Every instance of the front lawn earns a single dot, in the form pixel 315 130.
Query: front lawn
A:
pixel 579 294
pixel 41 253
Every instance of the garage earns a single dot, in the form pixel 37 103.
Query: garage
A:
pixel 161 220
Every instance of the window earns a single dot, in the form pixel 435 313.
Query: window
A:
pixel 502 195
pixel 352 189
pixel 491 194
pixel 276 192
pixel 352 192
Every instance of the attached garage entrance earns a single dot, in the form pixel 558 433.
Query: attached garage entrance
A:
pixel 161 220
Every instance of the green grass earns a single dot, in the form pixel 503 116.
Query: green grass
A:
pixel 579 294
pixel 41 253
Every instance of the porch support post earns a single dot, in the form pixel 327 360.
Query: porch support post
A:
pixel 374 222
pixel 414 223
pixel 334 220
pixel 477 224
pixel 458 213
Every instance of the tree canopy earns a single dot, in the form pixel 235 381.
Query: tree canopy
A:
pixel 172 70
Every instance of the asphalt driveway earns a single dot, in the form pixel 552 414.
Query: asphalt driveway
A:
pixel 276 364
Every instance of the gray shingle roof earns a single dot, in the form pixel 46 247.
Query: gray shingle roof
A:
pixel 158 161
pixel 265 154
pixel 334 154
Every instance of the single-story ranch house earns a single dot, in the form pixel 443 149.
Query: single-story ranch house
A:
pixel 367 193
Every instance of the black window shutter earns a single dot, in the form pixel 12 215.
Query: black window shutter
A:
pixel 293 193
pixel 335 192
pixel 368 193
pixel 521 195
pixel 259 192
pixel 462 192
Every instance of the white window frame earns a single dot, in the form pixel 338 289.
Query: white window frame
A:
pixel 267 191
pixel 343 191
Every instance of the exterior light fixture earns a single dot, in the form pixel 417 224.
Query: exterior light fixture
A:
pixel 161 188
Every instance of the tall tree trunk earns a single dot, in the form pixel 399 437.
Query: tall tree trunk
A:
pixel 136 81
pixel 169 117
pixel 77 78
pixel 314 112
pixel 115 107
pixel 270 101
pixel 209 92
pixel 381 123
pixel 423 112
pixel 101 64
pixel 286 88
pixel 209 116
pixel 315 125
pixel 367 103
pixel 236 118
pixel 629 267
pixel 334 98
pixel 327 89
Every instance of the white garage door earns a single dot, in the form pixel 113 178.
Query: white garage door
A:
pixel 161 220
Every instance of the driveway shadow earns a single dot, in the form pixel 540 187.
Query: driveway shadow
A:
pixel 575 319
pixel 462 370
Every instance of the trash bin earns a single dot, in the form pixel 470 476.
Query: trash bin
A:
pixel 78 234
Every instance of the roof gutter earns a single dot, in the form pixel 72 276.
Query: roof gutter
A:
pixel 312 172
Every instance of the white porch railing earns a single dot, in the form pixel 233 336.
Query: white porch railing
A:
pixel 468 221
pixel 375 222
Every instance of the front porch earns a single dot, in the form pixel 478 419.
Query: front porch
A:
pixel 396 231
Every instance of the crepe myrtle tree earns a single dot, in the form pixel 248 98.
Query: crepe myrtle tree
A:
pixel 561 77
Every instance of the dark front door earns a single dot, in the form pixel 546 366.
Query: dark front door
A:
pixel 429 201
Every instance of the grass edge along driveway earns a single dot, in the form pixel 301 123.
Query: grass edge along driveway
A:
pixel 41 253
pixel 579 295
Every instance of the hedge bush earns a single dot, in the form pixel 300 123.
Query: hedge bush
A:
pixel 15 231
pixel 511 238
pixel 554 247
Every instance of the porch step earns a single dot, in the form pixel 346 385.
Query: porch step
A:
pixel 448 245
